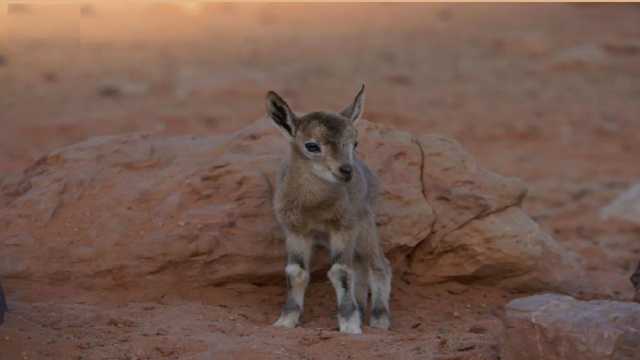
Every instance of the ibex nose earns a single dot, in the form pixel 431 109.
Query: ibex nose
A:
pixel 346 170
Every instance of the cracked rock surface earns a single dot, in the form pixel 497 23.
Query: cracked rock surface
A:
pixel 187 211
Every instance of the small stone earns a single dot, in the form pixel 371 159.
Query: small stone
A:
pixel 549 326
pixel 50 77
pixel 465 348
pixel 120 88
pixel 478 329
pixel 455 288
pixel 109 91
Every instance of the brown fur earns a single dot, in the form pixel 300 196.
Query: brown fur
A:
pixel 330 194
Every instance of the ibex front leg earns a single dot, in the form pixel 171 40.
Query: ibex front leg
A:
pixel 297 273
pixel 342 277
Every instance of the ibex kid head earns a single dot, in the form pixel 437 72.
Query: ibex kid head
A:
pixel 326 139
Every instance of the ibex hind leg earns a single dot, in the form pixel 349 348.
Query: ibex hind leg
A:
pixel 378 276
pixel 361 282
pixel 380 283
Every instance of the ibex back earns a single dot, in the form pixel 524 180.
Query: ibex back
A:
pixel 326 194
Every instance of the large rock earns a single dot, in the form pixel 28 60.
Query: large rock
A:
pixel 558 327
pixel 140 210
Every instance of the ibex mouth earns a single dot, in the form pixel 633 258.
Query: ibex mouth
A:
pixel 346 171
pixel 343 177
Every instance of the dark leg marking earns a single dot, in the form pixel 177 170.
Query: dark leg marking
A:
pixel 336 258
pixel 361 311
pixel 291 306
pixel 344 282
pixel 346 307
pixel 379 311
pixel 296 259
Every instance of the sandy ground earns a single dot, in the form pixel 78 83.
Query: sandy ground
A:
pixel 546 93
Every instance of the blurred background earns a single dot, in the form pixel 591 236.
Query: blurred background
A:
pixel 549 93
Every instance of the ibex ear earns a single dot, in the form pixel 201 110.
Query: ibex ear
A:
pixel 281 114
pixel 354 110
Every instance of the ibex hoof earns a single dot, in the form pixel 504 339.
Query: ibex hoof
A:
pixel 351 330
pixel 380 319
pixel 351 326
pixel 380 322
pixel 286 321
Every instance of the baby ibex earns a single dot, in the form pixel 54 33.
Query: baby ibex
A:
pixel 325 195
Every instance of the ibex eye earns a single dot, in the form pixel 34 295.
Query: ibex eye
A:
pixel 312 147
pixel 355 145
